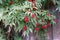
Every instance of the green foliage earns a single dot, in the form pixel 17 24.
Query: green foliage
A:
pixel 38 4
pixel 14 14
pixel 57 2
pixel 5 3
pixel 16 37
pixel 2 34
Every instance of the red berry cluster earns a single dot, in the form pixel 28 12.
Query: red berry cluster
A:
pixel 33 15
pixel 26 19
pixel 45 26
pixel 25 27
pixel 37 29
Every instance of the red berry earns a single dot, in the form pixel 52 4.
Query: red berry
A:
pixel 48 14
pixel 30 0
pixel 33 15
pixel 10 2
pixel 26 19
pixel 44 27
pixel 33 0
pixel 37 29
pixel 37 25
pixel 25 27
